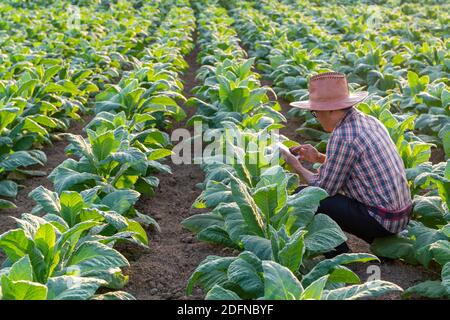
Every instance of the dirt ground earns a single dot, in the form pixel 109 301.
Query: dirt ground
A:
pixel 162 271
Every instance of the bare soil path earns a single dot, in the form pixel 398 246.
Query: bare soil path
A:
pixel 162 271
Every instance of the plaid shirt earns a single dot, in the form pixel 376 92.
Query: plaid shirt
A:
pixel 362 163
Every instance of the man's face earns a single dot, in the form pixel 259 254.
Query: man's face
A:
pixel 326 120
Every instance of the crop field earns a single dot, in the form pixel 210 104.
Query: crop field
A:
pixel 101 102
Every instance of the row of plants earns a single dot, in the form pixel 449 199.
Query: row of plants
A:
pixel 293 41
pixel 252 206
pixel 288 58
pixel 64 249
pixel 51 72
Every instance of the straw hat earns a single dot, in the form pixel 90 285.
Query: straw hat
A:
pixel 329 91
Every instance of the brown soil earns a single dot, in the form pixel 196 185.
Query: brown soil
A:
pixel 437 155
pixel 163 270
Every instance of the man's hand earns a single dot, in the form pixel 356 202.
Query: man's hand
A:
pixel 290 158
pixel 308 153
pixel 296 165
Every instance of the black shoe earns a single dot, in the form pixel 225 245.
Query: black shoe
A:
pixel 340 249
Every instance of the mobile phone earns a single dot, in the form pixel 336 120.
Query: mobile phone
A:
pixel 286 149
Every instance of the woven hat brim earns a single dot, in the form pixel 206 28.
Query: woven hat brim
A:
pixel 348 102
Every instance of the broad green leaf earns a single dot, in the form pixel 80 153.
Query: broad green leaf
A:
pixel 219 293
pixel 27 88
pixel 234 222
pixel 198 222
pixel 29 223
pixel 78 146
pixel 93 255
pixel 248 207
pixel 370 289
pixel 72 287
pixel 67 179
pixel 314 290
pixel 429 289
pixel 47 199
pixel 15 244
pixel 327 266
pixel 215 194
pixel 441 251
pixel 121 200
pixel 45 239
pixel 413 79
pixel 266 198
pixel 21 270
pixel 8 188
pixel 445 275
pixel 159 154
pixel 31 126
pixel 394 247
pixel 245 273
pixel 71 205
pixel 280 283
pixel 146 220
pixel 22 290
pixel 113 218
pixel 303 207
pixel 216 235
pixel 139 232
pixel 212 271
pixel 69 239
pixel 341 274
pixel 44 120
pixel 429 210
pixel 261 247
pixel 50 72
pixel 21 159
pixel 113 278
pixel 57 222
pixel 114 295
pixel 103 144
pixel 291 254
pixel 5 204
pixel 323 234
pixel 7 116
pixel 132 157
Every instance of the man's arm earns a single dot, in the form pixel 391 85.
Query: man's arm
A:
pixel 308 153
pixel 297 166
pixel 303 172
pixel 340 158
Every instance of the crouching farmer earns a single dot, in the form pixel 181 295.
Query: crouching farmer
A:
pixel 362 171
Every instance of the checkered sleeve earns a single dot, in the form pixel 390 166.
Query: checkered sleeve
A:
pixel 341 156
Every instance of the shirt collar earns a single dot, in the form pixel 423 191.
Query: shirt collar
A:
pixel 347 115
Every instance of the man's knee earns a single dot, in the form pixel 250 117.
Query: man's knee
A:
pixel 332 206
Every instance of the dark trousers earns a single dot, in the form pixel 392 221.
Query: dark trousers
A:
pixel 352 216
